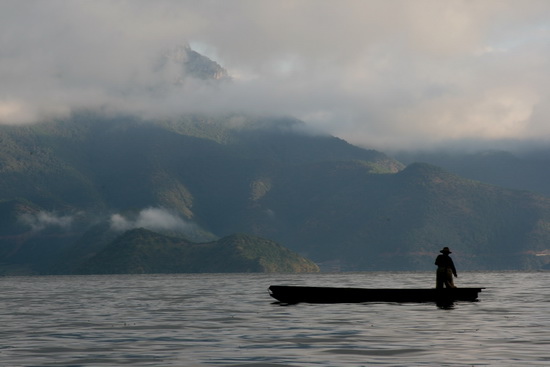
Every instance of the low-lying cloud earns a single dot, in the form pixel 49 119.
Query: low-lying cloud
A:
pixel 154 219
pixel 45 219
pixel 385 74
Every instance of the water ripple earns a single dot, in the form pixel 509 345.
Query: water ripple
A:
pixel 229 320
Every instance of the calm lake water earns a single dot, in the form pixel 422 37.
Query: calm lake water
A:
pixel 230 320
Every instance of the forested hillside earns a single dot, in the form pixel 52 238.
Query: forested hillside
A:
pixel 140 251
pixel 78 183
pixel 522 170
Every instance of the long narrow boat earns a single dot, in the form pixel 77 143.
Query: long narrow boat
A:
pixel 297 294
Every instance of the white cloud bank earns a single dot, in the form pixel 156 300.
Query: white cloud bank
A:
pixel 44 219
pixel 154 219
pixel 382 73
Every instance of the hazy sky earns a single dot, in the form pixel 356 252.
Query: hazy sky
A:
pixel 384 74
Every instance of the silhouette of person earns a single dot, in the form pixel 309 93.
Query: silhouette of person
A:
pixel 445 270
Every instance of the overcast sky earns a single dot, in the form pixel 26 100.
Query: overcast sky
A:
pixel 383 74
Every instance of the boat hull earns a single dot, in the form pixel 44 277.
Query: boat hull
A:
pixel 297 294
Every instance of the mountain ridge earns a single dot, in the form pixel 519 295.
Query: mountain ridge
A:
pixel 214 176
pixel 140 251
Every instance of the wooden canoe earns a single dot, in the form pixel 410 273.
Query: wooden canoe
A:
pixel 297 294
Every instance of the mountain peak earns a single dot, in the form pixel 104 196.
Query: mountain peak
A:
pixel 193 64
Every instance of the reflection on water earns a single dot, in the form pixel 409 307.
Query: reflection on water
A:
pixel 205 320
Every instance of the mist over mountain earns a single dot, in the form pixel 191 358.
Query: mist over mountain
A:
pixel 70 187
pixel 75 191
pixel 187 63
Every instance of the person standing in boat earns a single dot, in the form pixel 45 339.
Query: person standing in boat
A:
pixel 445 270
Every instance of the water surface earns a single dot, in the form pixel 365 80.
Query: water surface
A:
pixel 230 320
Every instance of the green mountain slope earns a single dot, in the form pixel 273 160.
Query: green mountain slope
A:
pixel 400 221
pixel 209 177
pixel 529 170
pixel 140 251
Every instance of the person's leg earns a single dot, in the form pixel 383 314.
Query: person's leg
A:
pixel 449 283
pixel 439 279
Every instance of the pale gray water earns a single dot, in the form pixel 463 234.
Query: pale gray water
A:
pixel 230 320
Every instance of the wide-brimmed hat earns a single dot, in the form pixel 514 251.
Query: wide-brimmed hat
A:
pixel 446 251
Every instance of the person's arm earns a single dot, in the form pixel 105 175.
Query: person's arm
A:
pixel 453 267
